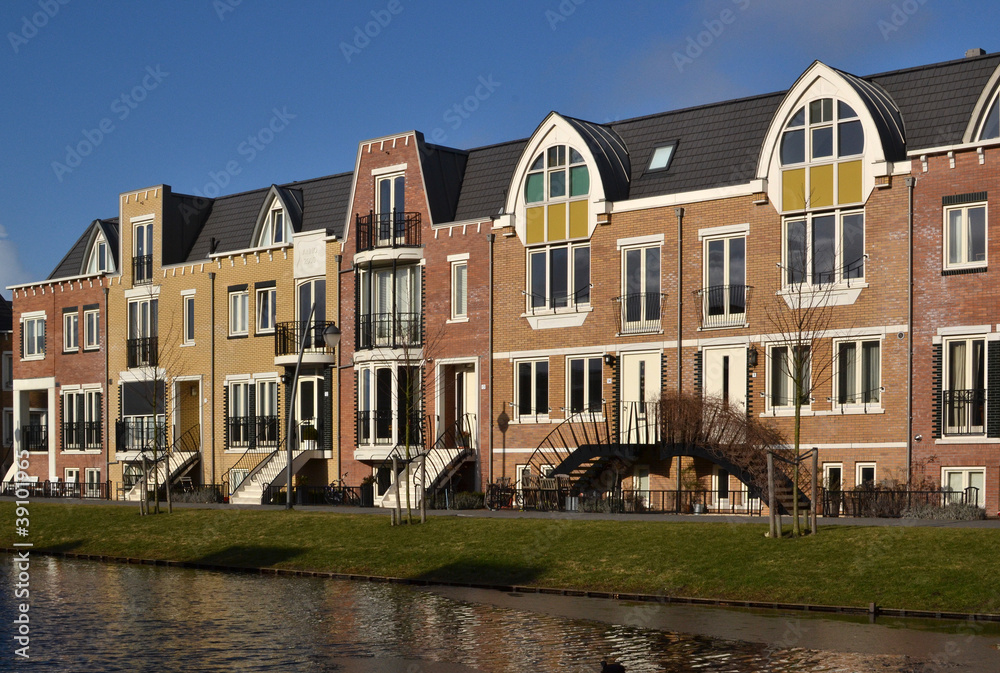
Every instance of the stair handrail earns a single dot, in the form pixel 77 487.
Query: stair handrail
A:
pixel 252 452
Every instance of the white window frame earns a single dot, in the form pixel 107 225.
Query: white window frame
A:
pixel 968 372
pixel 727 318
pixel 8 370
pixel 239 320
pixel 92 411
pixel 965 472
pixel 534 416
pixel 238 400
pixel 91 326
pixel 92 486
pixel 826 474
pixel 71 475
pixel 643 320
pixel 859 370
pixel 34 349
pixel 71 332
pixel 964 262
pixel 275 230
pixel 266 297
pixel 460 290
pixel 8 426
pixel 840 279
pixel 571 303
pixel 790 379
pixel 859 467
pixel 587 382
pixel 99 249
pixel 187 309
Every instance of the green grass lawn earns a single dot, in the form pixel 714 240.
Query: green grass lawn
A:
pixel 895 567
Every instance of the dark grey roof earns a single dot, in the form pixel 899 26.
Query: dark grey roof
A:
pixel 610 154
pixel 443 169
pixel 230 225
pixel 937 100
pixel 6 316
pixel 73 263
pixel 884 113
pixel 487 176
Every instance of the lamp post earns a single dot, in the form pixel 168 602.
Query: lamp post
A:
pixel 328 333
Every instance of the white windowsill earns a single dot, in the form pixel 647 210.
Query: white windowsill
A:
pixel 29 358
pixel 812 296
pixel 786 412
pixel 453 321
pixel 967 439
pixel 852 410
pixel 555 318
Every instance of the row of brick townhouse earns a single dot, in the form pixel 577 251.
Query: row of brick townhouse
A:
pixel 583 272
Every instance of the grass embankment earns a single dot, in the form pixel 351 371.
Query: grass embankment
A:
pixel 895 567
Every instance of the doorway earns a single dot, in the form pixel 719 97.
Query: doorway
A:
pixel 640 395
pixel 725 375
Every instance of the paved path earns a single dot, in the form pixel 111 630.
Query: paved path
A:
pixel 569 516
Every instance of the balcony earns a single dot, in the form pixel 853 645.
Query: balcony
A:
pixel 252 432
pixel 35 437
pixel 81 436
pixel 288 338
pixel 724 305
pixel 639 312
pixel 964 412
pixel 388 230
pixel 142 270
pixel 142 352
pixel 379 430
pixel 141 434
pixel 388 330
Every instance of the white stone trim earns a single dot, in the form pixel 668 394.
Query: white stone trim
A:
pixel 725 230
pixel 652 239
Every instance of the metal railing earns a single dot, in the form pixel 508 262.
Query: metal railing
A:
pixel 388 230
pixel 143 352
pixel 389 330
pixel 252 431
pixel 142 270
pixel 551 495
pixel 376 427
pixel 568 301
pixel 891 502
pixel 81 435
pixel 964 411
pixel 57 489
pixel 288 337
pixel 724 305
pixel 640 312
pixel 139 434
pixel 35 437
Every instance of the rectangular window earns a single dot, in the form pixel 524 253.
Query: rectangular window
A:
pixel 724 298
pixel 72 475
pixel 858 372
pixel 266 310
pixel 142 253
pixel 585 392
pixel 789 366
pixel 964 485
pixel 965 236
pixel 143 327
pixel 91 329
pixel 558 276
pixel 532 389
pixel 8 427
pixel 81 420
pixel 71 331
pixel 238 412
pixel 238 307
pixel 8 371
pixel 459 290
pixel 188 319
pixel 33 330
pixel 964 394
pixel 93 482
pixel 267 412
pixel 640 305
pixel 864 474
pixel 824 249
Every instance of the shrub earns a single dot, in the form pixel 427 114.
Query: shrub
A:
pixel 951 512
pixel 468 500
pixel 198 494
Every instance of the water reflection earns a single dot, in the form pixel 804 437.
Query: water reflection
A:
pixel 108 617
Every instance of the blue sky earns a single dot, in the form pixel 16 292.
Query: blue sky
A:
pixel 102 97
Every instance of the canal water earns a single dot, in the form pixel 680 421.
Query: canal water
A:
pixel 89 616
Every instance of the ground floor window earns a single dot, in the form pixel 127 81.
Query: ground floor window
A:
pixel 864 474
pixel 964 484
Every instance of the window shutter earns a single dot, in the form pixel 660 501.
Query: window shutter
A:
pixel 20 339
pixel 100 417
pixel 225 416
pixel 697 373
pixel 252 413
pixel 936 391
pixel 62 422
pixel 326 411
pixel 993 389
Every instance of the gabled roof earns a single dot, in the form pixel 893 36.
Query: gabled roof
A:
pixel 487 175
pixel 75 261
pixel 6 315
pixel 443 170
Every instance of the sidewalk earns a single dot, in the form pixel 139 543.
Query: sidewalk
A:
pixel 568 516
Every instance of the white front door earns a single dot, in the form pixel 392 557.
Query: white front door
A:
pixel 724 372
pixel 466 400
pixel 640 394
pixel 307 411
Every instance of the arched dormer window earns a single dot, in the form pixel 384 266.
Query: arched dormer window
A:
pixel 821 148
pixel 991 125
pixel 274 229
pixel 556 190
pixel 99 260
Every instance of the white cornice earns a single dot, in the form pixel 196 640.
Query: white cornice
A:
pixel 681 198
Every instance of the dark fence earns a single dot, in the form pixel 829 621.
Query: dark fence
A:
pixel 724 305
pixel 142 270
pixel 389 330
pixel 964 411
pixel 887 502
pixel 290 336
pixel 142 352
pixel 57 489
pixel 354 496
pixel 388 230
pixel 639 312
pixel 82 435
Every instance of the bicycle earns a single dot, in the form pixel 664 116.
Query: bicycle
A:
pixel 339 493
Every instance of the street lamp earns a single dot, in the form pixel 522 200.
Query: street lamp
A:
pixel 323 334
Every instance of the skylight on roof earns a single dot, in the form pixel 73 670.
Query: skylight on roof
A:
pixel 661 157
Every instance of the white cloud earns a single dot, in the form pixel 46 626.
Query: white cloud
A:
pixel 12 271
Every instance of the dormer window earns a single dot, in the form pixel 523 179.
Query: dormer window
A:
pixel 559 178
pixel 662 156
pixel 820 153
pixel 991 127
pixel 274 230
pixel 100 259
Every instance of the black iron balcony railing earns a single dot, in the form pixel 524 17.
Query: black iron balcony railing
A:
pixel 252 431
pixel 639 312
pixel 724 305
pixel 142 352
pixel 388 330
pixel 388 230
pixel 35 437
pixel 142 270
pixel 288 337
pixel 377 426
pixel 141 434
pixel 81 435
pixel 559 301
pixel 964 412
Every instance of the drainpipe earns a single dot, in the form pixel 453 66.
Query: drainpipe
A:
pixel 336 371
pixel 489 355
pixel 107 400
pixel 211 395
pixel 910 183
pixel 679 212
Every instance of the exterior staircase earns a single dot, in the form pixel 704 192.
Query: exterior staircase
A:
pixel 270 472
pixel 180 458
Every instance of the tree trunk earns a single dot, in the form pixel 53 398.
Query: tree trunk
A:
pixel 798 426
